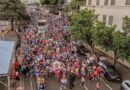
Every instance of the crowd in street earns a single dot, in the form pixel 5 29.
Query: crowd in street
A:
pixel 53 55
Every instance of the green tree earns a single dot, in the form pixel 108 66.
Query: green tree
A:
pixel 12 10
pixel 110 39
pixel 53 2
pixel 75 5
pixel 119 42
pixel 126 25
pixel 50 2
pixel 43 2
pixel 61 1
pixel 82 24
pixel 127 49
pixel 102 35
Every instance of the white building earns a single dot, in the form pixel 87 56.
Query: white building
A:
pixel 30 1
pixel 110 11
pixel 68 1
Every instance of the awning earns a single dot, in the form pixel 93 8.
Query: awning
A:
pixel 6 51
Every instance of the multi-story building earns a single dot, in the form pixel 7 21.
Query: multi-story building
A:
pixel 30 1
pixel 68 1
pixel 110 12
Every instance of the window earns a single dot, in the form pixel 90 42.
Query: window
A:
pixel 98 2
pixel 127 2
pixel 106 2
pixel 104 19
pixel 110 20
pixel 112 2
pixel 41 23
pixel 89 2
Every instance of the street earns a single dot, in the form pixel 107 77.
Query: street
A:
pixel 65 45
pixel 29 83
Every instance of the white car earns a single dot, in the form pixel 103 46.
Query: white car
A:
pixel 125 85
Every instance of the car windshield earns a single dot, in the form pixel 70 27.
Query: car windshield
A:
pixel 127 84
pixel 103 65
pixel 41 23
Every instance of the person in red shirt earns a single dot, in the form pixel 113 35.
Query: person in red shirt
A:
pixel 95 74
pixel 90 76
pixel 41 62
pixel 17 65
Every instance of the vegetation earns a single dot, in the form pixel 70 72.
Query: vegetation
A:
pixel 126 25
pixel 44 2
pixel 82 24
pixel 53 5
pixel 13 10
pixel 85 27
pixel 73 6
pixel 110 39
pixel 51 2
pixel 102 35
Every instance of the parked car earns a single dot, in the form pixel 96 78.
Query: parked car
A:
pixel 110 73
pixel 125 85
pixel 81 50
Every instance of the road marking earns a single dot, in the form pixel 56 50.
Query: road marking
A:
pixel 106 83
pixel 19 88
pixel 31 84
pixel 60 88
pixel 85 87
pixel 109 86
pixel 23 83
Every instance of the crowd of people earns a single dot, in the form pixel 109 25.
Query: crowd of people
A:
pixel 53 54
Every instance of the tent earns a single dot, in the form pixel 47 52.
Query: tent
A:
pixel 6 54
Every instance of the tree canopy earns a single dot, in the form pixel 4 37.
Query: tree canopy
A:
pixel 102 35
pixel 12 10
pixel 110 39
pixel 51 2
pixel 82 24
pixel 85 27
pixel 75 4
pixel 126 25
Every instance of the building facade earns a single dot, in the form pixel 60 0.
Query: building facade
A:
pixel 30 1
pixel 110 12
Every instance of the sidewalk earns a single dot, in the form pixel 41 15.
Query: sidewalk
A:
pixel 125 71
pixel 9 36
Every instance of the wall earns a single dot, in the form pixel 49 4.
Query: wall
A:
pixel 118 11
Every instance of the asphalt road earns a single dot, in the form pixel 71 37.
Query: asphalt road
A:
pixel 53 84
